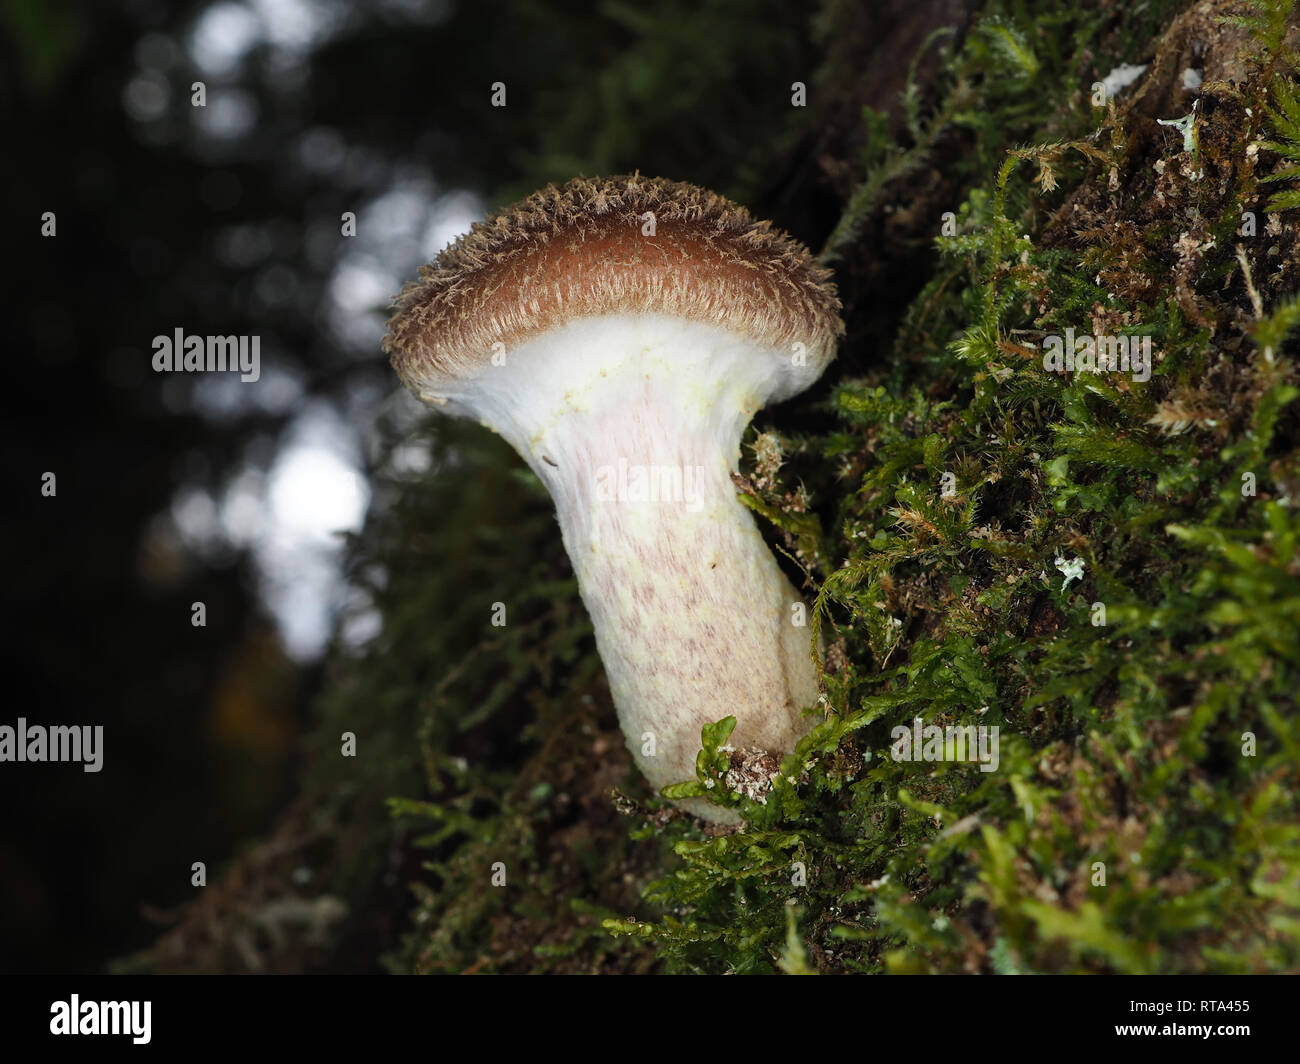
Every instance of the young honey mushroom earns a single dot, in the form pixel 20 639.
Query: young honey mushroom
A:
pixel 621 333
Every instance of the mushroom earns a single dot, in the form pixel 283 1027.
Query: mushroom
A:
pixel 620 334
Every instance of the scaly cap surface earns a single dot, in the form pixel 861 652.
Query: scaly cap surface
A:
pixel 579 251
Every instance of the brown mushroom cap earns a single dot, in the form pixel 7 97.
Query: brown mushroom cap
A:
pixel 578 251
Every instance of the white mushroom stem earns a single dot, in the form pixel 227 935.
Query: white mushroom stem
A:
pixel 634 424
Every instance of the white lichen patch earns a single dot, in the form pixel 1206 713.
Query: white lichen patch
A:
pixel 1121 78
pixel 1072 570
pixel 1185 125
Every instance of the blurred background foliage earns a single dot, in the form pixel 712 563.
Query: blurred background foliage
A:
pixel 479 744
pixel 226 219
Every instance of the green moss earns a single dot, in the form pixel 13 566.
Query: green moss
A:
pixel 1145 812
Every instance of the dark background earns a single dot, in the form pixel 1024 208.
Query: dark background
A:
pixel 175 489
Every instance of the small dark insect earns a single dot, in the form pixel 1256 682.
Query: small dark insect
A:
pixel 550 462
